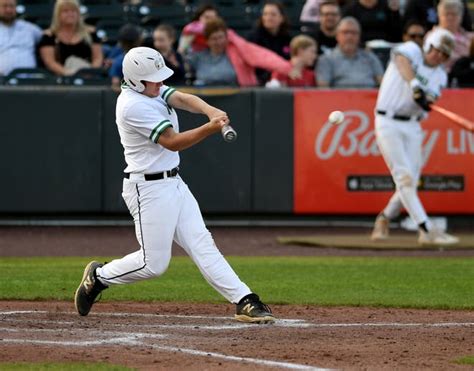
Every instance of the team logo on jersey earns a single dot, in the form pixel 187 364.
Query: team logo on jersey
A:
pixel 422 79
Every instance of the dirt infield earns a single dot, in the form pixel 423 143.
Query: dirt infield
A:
pixel 177 336
pixel 198 337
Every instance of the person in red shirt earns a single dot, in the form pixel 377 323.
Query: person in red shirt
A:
pixel 303 51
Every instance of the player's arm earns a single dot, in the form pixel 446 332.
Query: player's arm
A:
pixel 408 74
pixel 174 141
pixel 404 67
pixel 194 104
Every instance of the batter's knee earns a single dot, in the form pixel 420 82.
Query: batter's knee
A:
pixel 157 266
pixel 404 180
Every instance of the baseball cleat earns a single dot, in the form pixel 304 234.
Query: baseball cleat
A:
pixel 381 229
pixel 250 309
pixel 88 290
pixel 436 237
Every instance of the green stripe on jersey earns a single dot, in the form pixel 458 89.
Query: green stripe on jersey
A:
pixel 167 93
pixel 159 129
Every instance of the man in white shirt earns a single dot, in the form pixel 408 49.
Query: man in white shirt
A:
pixel 163 208
pixel 18 39
pixel 412 82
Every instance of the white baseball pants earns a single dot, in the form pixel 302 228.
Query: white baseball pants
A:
pixel 400 145
pixel 165 210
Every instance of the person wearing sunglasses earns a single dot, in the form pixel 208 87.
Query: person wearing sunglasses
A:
pixel 414 31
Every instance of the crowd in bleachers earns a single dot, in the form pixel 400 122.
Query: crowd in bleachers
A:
pixel 272 43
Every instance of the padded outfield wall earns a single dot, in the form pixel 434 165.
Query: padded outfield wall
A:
pixel 61 154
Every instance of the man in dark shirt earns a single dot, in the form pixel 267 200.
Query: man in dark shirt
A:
pixel 325 33
pixel 379 19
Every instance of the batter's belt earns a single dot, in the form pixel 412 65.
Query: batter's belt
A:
pixel 156 176
pixel 399 117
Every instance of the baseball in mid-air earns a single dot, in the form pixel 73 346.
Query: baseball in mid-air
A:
pixel 336 117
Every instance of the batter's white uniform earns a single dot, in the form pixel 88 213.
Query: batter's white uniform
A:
pixel 163 210
pixel 400 140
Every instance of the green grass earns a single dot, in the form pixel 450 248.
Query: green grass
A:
pixel 76 366
pixel 466 360
pixel 446 283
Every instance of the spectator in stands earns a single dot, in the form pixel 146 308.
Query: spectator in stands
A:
pixel 379 19
pixel 414 31
pixel 325 33
pixel 450 14
pixel 231 60
pixel 69 44
pixel 303 56
pixel 129 36
pixel 164 38
pixel 192 37
pixel 311 11
pixel 425 11
pixel 462 72
pixel 272 32
pixel 347 65
pixel 18 39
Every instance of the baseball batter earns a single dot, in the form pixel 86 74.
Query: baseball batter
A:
pixel 160 202
pixel 413 80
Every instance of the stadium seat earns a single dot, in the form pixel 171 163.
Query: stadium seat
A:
pixel 31 76
pixel 107 30
pixel 94 12
pixel 39 13
pixel 174 14
pixel 88 77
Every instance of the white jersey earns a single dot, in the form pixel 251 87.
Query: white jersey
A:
pixel 395 93
pixel 141 120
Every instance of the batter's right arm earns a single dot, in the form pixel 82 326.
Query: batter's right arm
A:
pixel 194 104
pixel 404 67
pixel 174 141
pixel 408 74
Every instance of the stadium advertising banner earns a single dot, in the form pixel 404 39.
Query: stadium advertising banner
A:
pixel 338 168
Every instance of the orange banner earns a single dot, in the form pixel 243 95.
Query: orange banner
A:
pixel 338 169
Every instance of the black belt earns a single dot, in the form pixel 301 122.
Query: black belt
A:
pixel 399 117
pixel 157 176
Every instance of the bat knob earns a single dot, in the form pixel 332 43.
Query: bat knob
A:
pixel 228 133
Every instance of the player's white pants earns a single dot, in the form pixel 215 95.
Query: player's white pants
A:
pixel 400 145
pixel 163 211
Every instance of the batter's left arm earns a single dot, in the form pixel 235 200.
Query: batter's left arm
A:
pixel 194 104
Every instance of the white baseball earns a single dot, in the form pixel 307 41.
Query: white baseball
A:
pixel 336 117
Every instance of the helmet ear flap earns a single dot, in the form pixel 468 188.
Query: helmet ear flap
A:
pixel 135 85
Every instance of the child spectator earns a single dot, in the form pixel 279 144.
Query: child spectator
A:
pixel 192 37
pixel 303 56
pixel 164 38
pixel 129 36
pixel 69 45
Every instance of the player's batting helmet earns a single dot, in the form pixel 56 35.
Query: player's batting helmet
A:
pixel 440 39
pixel 144 64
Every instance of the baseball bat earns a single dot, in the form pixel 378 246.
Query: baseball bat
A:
pixel 228 133
pixel 457 119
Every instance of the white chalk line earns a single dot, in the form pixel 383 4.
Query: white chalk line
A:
pixel 136 339
pixel 296 323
